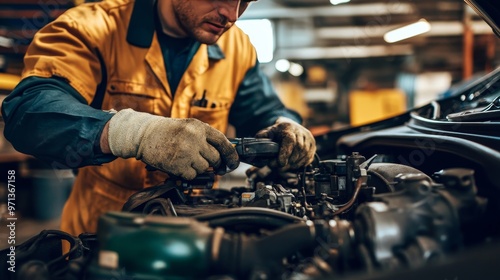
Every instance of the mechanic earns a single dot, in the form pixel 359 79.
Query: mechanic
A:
pixel 109 87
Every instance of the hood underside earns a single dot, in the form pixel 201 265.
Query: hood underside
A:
pixel 489 10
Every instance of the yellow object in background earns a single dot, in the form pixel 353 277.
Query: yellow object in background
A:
pixel 8 81
pixel 374 105
pixel 292 95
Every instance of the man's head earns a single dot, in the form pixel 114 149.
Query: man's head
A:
pixel 204 20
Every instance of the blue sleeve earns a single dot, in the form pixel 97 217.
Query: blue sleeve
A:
pixel 257 105
pixel 47 118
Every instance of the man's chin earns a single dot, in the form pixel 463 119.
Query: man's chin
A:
pixel 208 39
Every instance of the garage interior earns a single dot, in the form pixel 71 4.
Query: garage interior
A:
pixel 328 62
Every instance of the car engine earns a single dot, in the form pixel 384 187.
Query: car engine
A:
pixel 344 218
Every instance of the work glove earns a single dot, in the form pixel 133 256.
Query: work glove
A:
pixel 180 147
pixel 297 144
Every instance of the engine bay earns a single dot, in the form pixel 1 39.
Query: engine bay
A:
pixel 338 219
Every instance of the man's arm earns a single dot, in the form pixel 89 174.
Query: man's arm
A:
pixel 103 142
pixel 47 118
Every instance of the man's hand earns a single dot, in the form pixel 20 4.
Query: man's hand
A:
pixel 180 147
pixel 297 144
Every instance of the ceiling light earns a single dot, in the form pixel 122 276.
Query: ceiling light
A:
pixel 407 31
pixel 282 65
pixel 296 69
pixel 336 2
pixel 6 42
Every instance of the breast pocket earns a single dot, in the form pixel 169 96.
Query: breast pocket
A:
pixel 215 117
pixel 124 95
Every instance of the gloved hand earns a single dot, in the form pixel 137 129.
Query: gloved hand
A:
pixel 297 144
pixel 180 147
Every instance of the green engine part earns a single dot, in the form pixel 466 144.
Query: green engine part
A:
pixel 151 247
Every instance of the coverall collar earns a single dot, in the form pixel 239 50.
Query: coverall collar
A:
pixel 141 28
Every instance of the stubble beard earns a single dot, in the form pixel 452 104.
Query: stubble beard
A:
pixel 193 28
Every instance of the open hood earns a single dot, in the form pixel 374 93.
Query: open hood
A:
pixel 489 10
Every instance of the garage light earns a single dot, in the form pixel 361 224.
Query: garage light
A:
pixel 6 42
pixel 408 31
pixel 336 2
pixel 261 35
pixel 282 65
pixel 296 69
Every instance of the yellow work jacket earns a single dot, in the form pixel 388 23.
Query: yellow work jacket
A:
pixel 115 40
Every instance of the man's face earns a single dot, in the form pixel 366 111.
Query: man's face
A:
pixel 207 20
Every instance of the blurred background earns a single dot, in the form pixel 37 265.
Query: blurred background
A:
pixel 337 62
